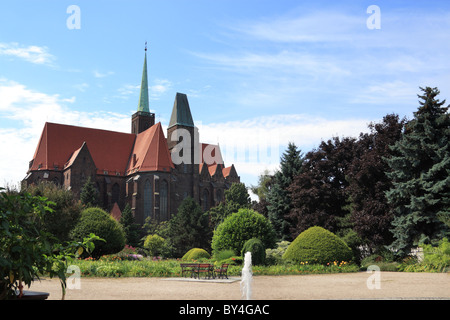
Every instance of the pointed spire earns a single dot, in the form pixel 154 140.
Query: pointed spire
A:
pixel 143 97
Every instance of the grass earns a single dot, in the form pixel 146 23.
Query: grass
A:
pixel 171 268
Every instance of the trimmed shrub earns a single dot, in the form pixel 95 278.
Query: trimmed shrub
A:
pixel 241 226
pixel 317 245
pixel 154 244
pixel 99 222
pixel 196 254
pixel 256 247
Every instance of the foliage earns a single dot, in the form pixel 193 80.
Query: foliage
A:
pixel 318 193
pixel 89 195
pixel 256 247
pixel 420 175
pixel 317 245
pixel 241 226
pixel 371 214
pixel 196 254
pixel 99 222
pixel 274 256
pixel 236 197
pixel 154 244
pixel 26 250
pixel 279 195
pixel 189 228
pixel 65 209
pixel 220 255
pixel 130 227
pixel 437 256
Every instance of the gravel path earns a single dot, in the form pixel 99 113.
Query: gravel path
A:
pixel 392 285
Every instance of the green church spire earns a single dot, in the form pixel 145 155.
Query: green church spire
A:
pixel 143 97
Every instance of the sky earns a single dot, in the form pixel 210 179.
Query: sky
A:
pixel 258 73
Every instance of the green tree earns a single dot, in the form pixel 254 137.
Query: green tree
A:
pixel 279 196
pixel 65 209
pixel 89 194
pixel 241 226
pixel 421 175
pixel 100 223
pixel 189 228
pixel 130 227
pixel 236 197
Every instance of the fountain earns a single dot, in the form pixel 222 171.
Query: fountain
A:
pixel 246 277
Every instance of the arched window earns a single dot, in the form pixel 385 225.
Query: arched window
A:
pixel 205 200
pixel 163 201
pixel 148 199
pixel 115 194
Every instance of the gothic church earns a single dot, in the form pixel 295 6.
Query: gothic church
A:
pixel 137 168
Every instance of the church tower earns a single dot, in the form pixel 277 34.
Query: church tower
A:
pixel 143 118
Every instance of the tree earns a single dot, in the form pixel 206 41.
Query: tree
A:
pixel 65 210
pixel 279 195
pixel 89 194
pixel 236 197
pixel 262 190
pixel 420 175
pixel 241 226
pixel 189 228
pixel 130 227
pixel 319 192
pixel 371 215
pixel 100 223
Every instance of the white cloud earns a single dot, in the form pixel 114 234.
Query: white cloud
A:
pixel 28 110
pixel 33 54
pixel 98 74
pixel 256 144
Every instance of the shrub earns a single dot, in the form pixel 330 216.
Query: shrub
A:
pixel 241 226
pixel 256 247
pixel 274 256
pixel 196 254
pixel 99 222
pixel 154 244
pixel 223 254
pixel 317 245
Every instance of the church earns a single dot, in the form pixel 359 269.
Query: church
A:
pixel 151 173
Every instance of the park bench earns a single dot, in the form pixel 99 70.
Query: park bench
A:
pixel 188 268
pixel 222 271
pixel 207 269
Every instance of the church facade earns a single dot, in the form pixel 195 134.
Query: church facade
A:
pixel 150 172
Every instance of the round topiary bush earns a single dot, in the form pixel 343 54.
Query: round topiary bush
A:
pixel 241 226
pixel 196 254
pixel 154 244
pixel 317 245
pixel 99 222
pixel 256 247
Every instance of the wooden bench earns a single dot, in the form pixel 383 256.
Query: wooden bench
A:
pixel 222 271
pixel 207 269
pixel 188 268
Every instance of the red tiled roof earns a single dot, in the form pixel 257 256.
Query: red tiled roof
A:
pixel 150 152
pixel 110 150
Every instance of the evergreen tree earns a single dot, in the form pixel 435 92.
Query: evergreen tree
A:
pixel 131 228
pixel 421 175
pixel 279 197
pixel 89 194
pixel 189 228
pixel 236 197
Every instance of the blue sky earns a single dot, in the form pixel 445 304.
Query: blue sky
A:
pixel 257 73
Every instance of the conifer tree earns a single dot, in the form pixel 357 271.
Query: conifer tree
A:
pixel 279 197
pixel 421 175
pixel 89 194
pixel 129 225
